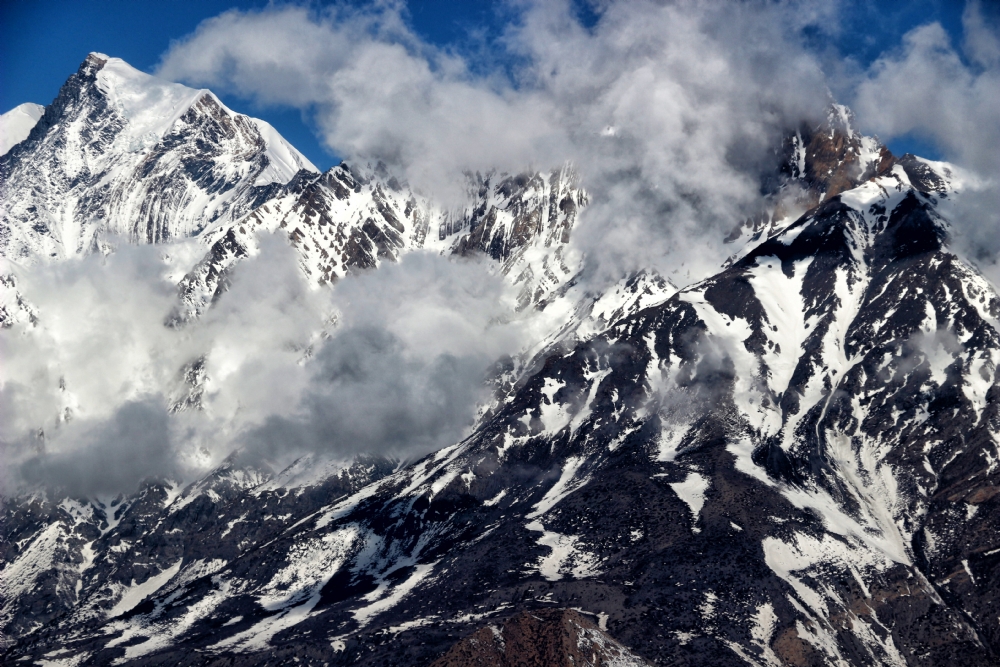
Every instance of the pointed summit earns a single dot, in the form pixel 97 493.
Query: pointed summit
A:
pixel 833 157
pixel 123 152
pixel 817 162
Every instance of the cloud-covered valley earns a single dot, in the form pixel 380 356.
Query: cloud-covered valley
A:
pixel 391 362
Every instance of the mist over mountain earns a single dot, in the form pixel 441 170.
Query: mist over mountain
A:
pixel 630 345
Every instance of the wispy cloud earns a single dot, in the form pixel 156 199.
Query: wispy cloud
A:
pixel 669 110
pixel 950 94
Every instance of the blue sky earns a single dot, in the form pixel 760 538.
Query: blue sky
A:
pixel 42 43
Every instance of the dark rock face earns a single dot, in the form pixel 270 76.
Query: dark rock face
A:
pixel 817 163
pixel 67 562
pixel 523 197
pixel 539 638
pixel 831 159
pixel 512 214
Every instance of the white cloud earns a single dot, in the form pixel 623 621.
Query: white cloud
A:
pixel 928 89
pixel 669 110
pixel 400 373
pixel 405 370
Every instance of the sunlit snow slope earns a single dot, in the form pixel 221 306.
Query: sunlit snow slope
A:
pixel 121 152
pixel 16 124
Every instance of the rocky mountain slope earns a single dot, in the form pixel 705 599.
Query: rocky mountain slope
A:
pixel 541 637
pixel 792 462
pixel 352 219
pixel 121 152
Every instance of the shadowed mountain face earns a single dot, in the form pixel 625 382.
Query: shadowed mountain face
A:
pixel 793 462
pixel 540 638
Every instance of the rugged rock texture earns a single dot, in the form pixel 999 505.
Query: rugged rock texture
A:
pixel 121 152
pixel 352 219
pixel 834 157
pixel 339 222
pixel 817 163
pixel 524 222
pixel 540 638
pixel 88 559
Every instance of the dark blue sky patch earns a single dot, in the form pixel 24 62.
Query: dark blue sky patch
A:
pixel 916 144
pixel 871 27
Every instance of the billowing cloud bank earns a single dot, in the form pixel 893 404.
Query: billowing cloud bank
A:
pixel 391 362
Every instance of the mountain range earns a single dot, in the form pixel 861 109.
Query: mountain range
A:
pixel 791 462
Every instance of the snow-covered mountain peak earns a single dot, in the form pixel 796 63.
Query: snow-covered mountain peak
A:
pixel 353 218
pixel 149 105
pixel 152 106
pixel 123 152
pixel 818 162
pixel 285 159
